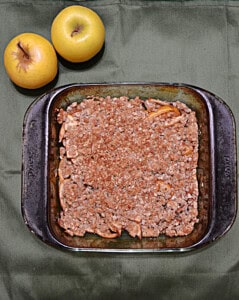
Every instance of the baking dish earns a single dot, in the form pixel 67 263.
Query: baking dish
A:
pixel 216 172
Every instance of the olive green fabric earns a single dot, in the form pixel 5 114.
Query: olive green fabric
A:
pixel 195 42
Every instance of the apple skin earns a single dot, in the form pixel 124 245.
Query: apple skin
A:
pixel 30 61
pixel 77 33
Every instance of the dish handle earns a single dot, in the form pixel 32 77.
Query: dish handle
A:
pixel 35 167
pixel 224 209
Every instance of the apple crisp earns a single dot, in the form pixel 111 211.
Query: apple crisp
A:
pixel 128 165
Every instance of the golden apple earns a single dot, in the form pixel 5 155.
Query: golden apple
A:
pixel 77 33
pixel 30 61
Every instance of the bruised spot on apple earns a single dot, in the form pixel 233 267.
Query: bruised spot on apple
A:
pixel 30 61
pixel 77 33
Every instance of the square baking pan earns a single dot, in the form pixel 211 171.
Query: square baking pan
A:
pixel 216 170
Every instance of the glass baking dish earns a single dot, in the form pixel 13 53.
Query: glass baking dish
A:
pixel 216 171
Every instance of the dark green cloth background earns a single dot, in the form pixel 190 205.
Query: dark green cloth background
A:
pixel 195 42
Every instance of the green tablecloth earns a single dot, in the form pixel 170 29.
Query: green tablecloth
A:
pixel 195 42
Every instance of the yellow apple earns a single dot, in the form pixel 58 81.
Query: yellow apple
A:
pixel 30 61
pixel 77 33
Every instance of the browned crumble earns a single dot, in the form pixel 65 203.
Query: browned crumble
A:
pixel 128 164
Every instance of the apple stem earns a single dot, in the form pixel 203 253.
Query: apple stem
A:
pixel 23 50
pixel 78 29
